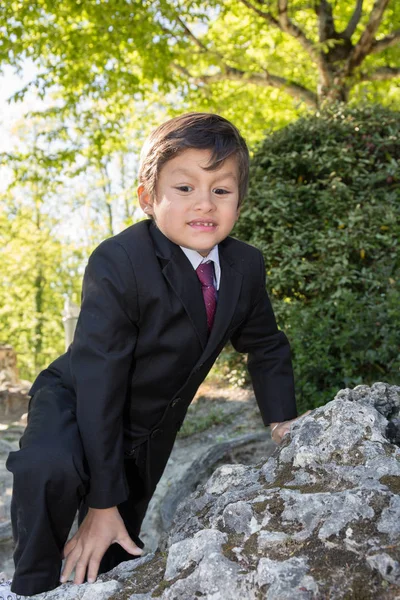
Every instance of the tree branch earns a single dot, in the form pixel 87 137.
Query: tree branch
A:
pixel 260 79
pixel 326 25
pixel 267 16
pixel 285 24
pixel 196 40
pixel 381 74
pixel 199 43
pixel 366 41
pixel 292 29
pixel 289 27
pixel 355 19
pixel 387 42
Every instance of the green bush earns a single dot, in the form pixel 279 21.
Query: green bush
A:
pixel 324 208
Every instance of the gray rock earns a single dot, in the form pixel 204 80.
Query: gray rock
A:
pixel 318 519
pixel 107 585
pixel 286 579
pixel 387 567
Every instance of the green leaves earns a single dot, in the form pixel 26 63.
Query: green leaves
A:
pixel 111 71
pixel 254 63
pixel 37 272
pixel 324 207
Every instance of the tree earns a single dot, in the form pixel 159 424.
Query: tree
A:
pixel 245 58
pixel 38 271
pixel 71 184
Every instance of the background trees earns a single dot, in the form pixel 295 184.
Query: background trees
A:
pixel 110 71
pixel 258 62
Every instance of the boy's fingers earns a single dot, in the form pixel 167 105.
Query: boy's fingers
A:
pixel 69 546
pixel 93 568
pixel 69 566
pixel 284 427
pixel 129 546
pixel 80 571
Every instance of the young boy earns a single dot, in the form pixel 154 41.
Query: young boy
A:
pixel 160 300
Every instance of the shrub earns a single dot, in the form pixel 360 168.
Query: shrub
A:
pixel 324 208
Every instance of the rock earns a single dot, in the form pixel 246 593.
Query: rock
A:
pixel 195 457
pixel 318 519
pixel 108 585
pixel 13 392
pixel 8 365
pixel 204 464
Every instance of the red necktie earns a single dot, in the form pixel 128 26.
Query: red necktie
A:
pixel 205 273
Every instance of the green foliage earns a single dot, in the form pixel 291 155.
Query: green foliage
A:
pixel 258 66
pixel 37 272
pixel 231 367
pixel 70 185
pixel 201 417
pixel 111 71
pixel 324 208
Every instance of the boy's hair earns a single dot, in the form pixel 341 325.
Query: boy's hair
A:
pixel 202 131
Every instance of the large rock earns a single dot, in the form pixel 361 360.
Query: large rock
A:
pixel 319 519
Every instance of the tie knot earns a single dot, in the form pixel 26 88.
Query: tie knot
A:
pixel 205 273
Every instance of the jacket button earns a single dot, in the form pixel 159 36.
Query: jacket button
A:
pixel 156 432
pixel 175 401
pixel 130 452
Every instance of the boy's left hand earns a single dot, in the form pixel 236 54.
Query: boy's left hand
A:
pixel 279 430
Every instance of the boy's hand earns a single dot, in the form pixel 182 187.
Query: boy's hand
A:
pixel 84 551
pixel 279 430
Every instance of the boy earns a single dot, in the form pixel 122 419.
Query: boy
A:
pixel 160 300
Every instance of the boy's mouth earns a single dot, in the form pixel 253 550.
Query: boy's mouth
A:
pixel 203 224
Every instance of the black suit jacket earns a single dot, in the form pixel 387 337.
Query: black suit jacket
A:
pixel 141 347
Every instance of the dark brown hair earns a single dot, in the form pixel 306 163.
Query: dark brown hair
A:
pixel 202 131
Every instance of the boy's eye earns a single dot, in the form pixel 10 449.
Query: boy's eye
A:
pixel 220 191
pixel 184 188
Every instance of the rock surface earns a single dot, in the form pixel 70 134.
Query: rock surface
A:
pixel 319 519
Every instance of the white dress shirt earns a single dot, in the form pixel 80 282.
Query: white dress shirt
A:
pixel 197 259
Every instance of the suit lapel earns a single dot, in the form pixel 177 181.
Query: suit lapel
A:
pixel 182 278
pixel 228 296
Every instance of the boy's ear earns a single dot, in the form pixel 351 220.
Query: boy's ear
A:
pixel 145 200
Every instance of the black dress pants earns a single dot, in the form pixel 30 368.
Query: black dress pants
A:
pixel 50 484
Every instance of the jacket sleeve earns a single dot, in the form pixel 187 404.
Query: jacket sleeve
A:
pixel 269 360
pixel 101 362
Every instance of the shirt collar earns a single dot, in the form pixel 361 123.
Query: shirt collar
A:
pixel 197 259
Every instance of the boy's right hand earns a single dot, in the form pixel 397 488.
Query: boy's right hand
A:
pixel 100 528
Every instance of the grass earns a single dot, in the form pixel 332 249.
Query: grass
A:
pixel 198 419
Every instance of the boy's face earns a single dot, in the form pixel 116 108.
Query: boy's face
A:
pixel 194 208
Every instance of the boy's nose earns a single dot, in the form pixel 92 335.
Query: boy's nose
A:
pixel 205 202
